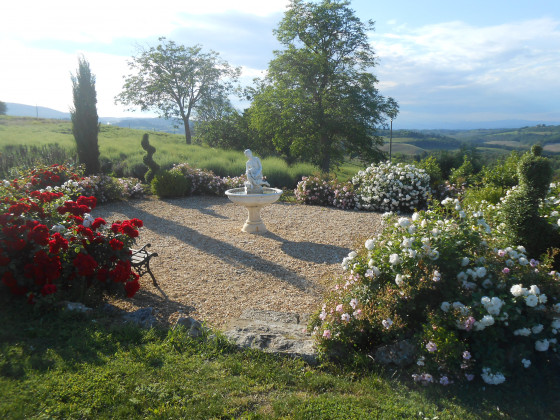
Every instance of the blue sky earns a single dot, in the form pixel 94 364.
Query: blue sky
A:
pixel 448 64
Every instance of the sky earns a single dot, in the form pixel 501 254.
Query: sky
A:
pixel 449 64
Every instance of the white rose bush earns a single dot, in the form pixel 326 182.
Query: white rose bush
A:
pixel 445 280
pixel 391 187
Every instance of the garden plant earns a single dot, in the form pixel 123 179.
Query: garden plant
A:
pixel 449 281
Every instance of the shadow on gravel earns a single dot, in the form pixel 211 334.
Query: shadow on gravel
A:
pixel 310 251
pixel 229 254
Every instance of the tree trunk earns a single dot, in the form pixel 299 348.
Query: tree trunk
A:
pixel 325 154
pixel 188 135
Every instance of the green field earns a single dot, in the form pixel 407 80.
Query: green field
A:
pixel 121 153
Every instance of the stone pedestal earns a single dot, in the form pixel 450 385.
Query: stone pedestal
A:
pixel 254 223
pixel 254 203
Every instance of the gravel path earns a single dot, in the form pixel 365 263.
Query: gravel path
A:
pixel 209 269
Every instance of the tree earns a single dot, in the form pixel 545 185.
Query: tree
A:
pixel 3 108
pixel 85 122
pixel 177 81
pixel 319 101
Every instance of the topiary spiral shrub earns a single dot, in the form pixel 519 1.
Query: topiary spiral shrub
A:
pixel 520 209
pixel 391 187
pixel 438 280
pixel 168 184
pixel 148 160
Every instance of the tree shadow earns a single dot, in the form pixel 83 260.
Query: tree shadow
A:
pixel 310 251
pixel 229 254
pixel 202 209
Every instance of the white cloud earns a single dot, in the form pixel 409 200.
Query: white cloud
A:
pixel 104 20
pixel 465 67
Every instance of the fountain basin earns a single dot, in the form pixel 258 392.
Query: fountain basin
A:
pixel 254 203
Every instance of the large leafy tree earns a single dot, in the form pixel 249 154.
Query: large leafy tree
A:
pixel 177 81
pixel 319 101
pixel 3 108
pixel 85 122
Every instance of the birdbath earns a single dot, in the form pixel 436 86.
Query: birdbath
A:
pixel 254 196
pixel 254 203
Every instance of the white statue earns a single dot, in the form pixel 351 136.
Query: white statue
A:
pixel 253 170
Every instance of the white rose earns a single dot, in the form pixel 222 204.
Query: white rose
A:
pixel 465 261
pixel 537 328
pixel 518 290
pixel 370 244
pixel 541 345
pixel 531 301
pixel 394 259
pixel 445 306
pixel 534 290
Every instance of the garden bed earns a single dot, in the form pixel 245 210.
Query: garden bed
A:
pixel 209 269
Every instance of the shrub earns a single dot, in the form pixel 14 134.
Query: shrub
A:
pixel 106 188
pixel 148 160
pixel 167 184
pixel 201 182
pixel 464 174
pixel 391 187
pixel 431 166
pixel 520 208
pixel 51 247
pixel 324 190
pixel 438 280
pixel 503 173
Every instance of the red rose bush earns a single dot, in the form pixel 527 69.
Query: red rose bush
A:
pixel 51 246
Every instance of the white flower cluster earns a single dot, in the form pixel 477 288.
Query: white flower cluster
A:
pixel 492 378
pixel 388 187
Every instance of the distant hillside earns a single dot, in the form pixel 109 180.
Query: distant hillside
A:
pixel 20 110
pixel 150 124
pixel 418 142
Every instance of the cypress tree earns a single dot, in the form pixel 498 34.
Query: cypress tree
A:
pixel 85 122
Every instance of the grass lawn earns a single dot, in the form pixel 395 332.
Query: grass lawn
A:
pixel 68 365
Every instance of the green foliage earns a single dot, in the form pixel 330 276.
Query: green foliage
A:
pixel 85 123
pixel 168 184
pixel 502 173
pixel 431 166
pixel 177 81
pixel 520 208
pixel 153 167
pixel 473 196
pixel 319 99
pixel 3 108
pixel 464 174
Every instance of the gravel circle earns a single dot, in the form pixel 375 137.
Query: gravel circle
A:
pixel 209 269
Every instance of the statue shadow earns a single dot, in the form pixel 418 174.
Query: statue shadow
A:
pixel 226 252
pixel 310 251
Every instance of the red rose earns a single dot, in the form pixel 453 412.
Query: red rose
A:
pixel 121 272
pixel 57 243
pixel 137 222
pixel 85 264
pixel 48 289
pixel 98 222
pixel 90 202
pixel 116 244
pixel 39 235
pixel 131 287
pixel 9 280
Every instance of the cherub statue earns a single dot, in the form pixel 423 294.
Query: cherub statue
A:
pixel 253 170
